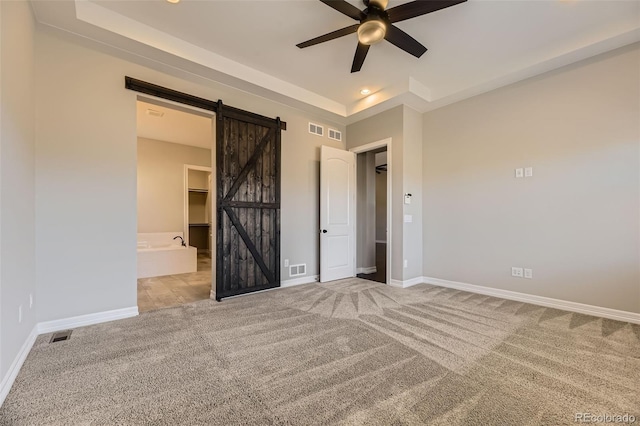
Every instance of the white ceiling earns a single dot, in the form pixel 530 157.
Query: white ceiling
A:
pixel 473 47
pixel 174 126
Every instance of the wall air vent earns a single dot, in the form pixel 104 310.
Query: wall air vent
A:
pixel 298 270
pixel 335 134
pixel 154 113
pixel 316 129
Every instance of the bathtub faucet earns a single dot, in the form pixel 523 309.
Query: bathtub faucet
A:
pixel 181 239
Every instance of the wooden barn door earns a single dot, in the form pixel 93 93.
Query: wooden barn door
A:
pixel 248 202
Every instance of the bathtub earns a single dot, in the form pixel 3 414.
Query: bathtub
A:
pixel 159 254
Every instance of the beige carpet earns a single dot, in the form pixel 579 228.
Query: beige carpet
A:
pixel 350 352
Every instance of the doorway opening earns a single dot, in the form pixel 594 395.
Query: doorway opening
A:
pixel 176 226
pixel 373 211
pixel 372 215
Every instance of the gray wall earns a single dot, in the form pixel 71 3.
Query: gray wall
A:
pixel 85 182
pixel 576 221
pixel 17 175
pixel 412 184
pixel 86 175
pixel 160 169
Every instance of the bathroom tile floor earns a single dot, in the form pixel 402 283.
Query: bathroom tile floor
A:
pixel 173 290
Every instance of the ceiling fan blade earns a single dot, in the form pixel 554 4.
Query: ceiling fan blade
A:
pixel 418 8
pixel 345 8
pixel 330 36
pixel 358 59
pixel 404 41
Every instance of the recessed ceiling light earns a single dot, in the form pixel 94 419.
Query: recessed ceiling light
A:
pixel 174 1
pixel 155 113
pixel 365 91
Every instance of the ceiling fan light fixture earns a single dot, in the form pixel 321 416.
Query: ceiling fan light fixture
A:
pixel 372 32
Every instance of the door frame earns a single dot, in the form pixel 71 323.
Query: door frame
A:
pixel 371 147
pixel 185 200
pixel 160 100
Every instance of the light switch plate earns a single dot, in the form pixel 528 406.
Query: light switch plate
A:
pixel 528 172
pixel 520 172
pixel 408 218
pixel 528 273
pixel 516 272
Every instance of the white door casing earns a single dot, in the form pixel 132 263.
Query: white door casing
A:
pixel 337 214
pixel 384 143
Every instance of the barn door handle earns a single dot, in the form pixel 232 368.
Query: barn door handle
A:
pixel 324 231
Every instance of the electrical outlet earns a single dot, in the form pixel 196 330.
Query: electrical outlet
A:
pixel 519 172
pixel 528 172
pixel 528 273
pixel 406 263
pixel 516 272
pixel 286 263
pixel 20 314
pixel 30 301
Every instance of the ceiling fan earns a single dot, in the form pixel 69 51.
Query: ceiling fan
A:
pixel 376 24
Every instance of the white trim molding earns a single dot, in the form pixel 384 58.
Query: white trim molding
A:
pixel 16 365
pixel 299 281
pixel 367 270
pixel 407 283
pixel 84 320
pixel 57 325
pixel 548 302
pixel 396 283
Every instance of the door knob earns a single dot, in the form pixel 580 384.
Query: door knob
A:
pixel 324 231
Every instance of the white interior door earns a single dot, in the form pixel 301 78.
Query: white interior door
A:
pixel 337 214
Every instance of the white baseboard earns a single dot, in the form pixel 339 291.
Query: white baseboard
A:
pixel 57 325
pixel 299 281
pixel 548 302
pixel 406 283
pixel 14 368
pixel 367 270
pixel 89 319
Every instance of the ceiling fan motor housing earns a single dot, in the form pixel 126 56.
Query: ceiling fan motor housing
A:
pixel 382 4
